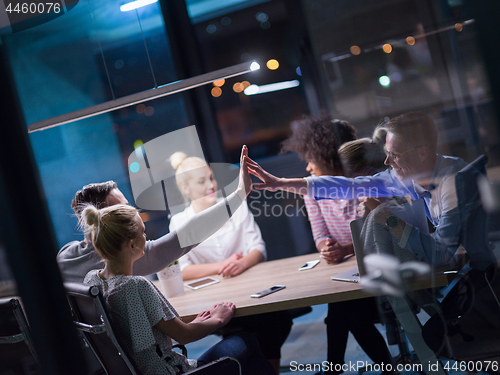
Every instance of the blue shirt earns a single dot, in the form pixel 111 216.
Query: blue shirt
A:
pixel 443 208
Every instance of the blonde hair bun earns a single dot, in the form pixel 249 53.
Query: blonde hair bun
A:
pixel 177 158
pixel 90 215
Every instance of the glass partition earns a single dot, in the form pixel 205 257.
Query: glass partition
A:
pixel 94 53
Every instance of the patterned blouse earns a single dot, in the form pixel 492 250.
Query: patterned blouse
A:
pixel 135 306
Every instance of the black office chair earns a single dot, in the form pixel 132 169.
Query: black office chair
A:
pixel 91 318
pixel 17 350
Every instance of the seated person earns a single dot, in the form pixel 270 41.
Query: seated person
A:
pixel 237 246
pixel 314 140
pixel 77 258
pixel 145 322
pixel 416 171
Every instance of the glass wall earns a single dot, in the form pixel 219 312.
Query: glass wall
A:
pixel 93 54
pixel 375 60
pixel 383 58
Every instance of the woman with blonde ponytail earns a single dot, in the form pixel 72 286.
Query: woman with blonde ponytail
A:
pixel 145 321
pixel 237 246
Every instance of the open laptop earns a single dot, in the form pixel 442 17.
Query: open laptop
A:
pixel 413 213
pixel 354 275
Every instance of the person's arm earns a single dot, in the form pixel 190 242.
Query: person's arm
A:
pixel 195 271
pixel 383 184
pixel 249 239
pixel 203 325
pixel 273 183
pixel 160 253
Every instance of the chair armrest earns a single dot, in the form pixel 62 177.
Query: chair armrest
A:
pixel 210 367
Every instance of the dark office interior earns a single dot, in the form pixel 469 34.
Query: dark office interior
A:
pixel 358 60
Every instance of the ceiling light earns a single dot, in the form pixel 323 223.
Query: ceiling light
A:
pixel 158 92
pixel 136 4
pixel 255 89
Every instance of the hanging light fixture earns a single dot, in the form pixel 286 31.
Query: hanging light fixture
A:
pixel 158 92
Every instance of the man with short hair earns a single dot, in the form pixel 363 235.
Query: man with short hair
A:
pixel 77 258
pixel 416 172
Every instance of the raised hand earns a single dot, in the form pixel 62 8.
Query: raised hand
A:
pixel 273 183
pixel 270 182
pixel 245 182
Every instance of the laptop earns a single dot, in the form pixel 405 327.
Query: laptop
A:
pixel 354 275
pixel 413 213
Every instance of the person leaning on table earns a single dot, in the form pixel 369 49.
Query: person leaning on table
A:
pixel 77 258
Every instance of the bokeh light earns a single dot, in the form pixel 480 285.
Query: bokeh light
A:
pixel 272 64
pixel 220 82
pixel 410 40
pixel 384 81
pixel 140 108
pixel 387 48
pixel 216 92
pixel 355 50
pixel 459 27
pixel 134 167
pixel 149 111
pixel 138 143
pixel 238 87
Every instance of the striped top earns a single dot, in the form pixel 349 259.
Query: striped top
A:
pixel 330 218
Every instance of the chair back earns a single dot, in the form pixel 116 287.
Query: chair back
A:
pixel 473 217
pixel 91 318
pixel 14 329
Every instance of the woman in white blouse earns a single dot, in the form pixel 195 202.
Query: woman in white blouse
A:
pixel 237 246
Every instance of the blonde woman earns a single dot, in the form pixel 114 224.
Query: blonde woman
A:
pixel 237 246
pixel 145 321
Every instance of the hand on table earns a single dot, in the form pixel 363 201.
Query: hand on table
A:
pixel 366 205
pixel 223 311
pixel 232 266
pixel 334 253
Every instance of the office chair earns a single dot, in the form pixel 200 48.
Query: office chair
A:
pixel 15 332
pixel 91 318
pixel 470 306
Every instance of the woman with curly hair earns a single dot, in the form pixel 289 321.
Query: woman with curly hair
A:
pixel 316 140
pixel 330 147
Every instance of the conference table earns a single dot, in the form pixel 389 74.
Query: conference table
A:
pixel 303 288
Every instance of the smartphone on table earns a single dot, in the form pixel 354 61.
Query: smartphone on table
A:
pixel 309 265
pixel 265 292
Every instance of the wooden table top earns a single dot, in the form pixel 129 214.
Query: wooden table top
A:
pixel 303 288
